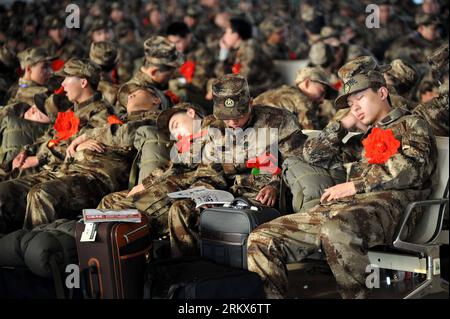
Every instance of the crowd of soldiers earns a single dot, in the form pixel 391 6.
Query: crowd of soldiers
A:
pixel 89 117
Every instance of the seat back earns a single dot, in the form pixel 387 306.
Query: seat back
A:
pixel 429 226
pixel 288 69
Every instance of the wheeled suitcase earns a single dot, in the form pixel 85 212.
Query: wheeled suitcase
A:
pixel 113 266
pixel 224 231
pixel 196 278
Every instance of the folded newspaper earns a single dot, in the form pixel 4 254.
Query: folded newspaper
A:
pixel 108 215
pixel 204 196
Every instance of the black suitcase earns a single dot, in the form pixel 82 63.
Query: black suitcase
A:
pixel 113 266
pixel 224 231
pixel 196 278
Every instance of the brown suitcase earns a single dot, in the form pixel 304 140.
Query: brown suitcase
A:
pixel 113 266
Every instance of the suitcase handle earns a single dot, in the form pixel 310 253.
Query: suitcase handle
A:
pixel 241 202
pixel 91 289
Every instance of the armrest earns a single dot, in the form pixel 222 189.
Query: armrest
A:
pixel 398 243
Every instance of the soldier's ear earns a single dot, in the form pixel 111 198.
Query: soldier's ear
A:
pixel 84 83
pixel 191 112
pixel 384 93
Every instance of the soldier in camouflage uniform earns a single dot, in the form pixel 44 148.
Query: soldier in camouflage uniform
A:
pixel 402 79
pixel 104 54
pixel 25 126
pixel 58 43
pixel 89 111
pixel 150 196
pixel 129 49
pixel 36 65
pixel 161 61
pixel 362 212
pixel 190 84
pixel 415 47
pixel 273 30
pixel 435 111
pixel 233 109
pixel 245 57
pixel 8 66
pixel 303 100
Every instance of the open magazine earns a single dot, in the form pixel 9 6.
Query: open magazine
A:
pixel 204 196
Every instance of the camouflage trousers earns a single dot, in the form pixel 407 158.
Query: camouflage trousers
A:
pixel 42 198
pixel 343 229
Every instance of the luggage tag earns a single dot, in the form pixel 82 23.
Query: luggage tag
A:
pixel 89 233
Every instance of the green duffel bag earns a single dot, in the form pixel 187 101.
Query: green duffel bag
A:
pixel 307 183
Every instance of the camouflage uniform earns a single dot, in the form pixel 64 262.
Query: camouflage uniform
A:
pixel 78 190
pixel 195 91
pixel 129 50
pixel 241 182
pixel 252 63
pixel 26 89
pixel 414 48
pixel 69 48
pixel 436 111
pixel 8 65
pixel 105 55
pixel 295 101
pixel 344 229
pixel 278 51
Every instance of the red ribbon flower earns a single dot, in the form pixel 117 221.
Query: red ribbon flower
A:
pixel 292 55
pixel 380 145
pixel 236 69
pixel 266 162
pixel 172 96
pixel 188 70
pixel 112 119
pixel 338 85
pixel 184 142
pixel 66 126
pixel 57 64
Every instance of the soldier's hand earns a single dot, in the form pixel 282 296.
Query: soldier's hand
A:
pixel 338 191
pixel 73 146
pixel 92 145
pixel 350 121
pixel 30 161
pixel 267 196
pixel 136 189
pixel 19 160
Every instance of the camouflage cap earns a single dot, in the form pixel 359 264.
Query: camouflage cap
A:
pixel 8 58
pixel 122 28
pixel 271 25
pixel 32 56
pixel 53 22
pixel 329 32
pixel 316 74
pixel 402 73
pixel 231 97
pixel 426 19
pixel 98 24
pixel 28 94
pixel 362 64
pixel 103 53
pixel 160 51
pixel 82 68
pixel 438 60
pixel 51 105
pixel 116 6
pixel 193 11
pixel 162 122
pixel 126 89
pixel 320 54
pixel 359 82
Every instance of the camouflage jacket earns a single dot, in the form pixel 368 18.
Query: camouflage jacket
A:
pixel 435 112
pixel 26 89
pixel 276 52
pixel 410 170
pixel 108 89
pixel 279 129
pixel 92 113
pixel 251 62
pixel 69 48
pixel 293 100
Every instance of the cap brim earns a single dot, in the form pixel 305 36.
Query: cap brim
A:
pixel 162 121
pixel 330 92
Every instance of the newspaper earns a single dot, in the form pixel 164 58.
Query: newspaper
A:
pixel 204 196
pixel 108 215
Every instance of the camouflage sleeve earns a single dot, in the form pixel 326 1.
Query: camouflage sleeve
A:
pixel 324 150
pixel 409 168
pixel 291 138
pixel 210 176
